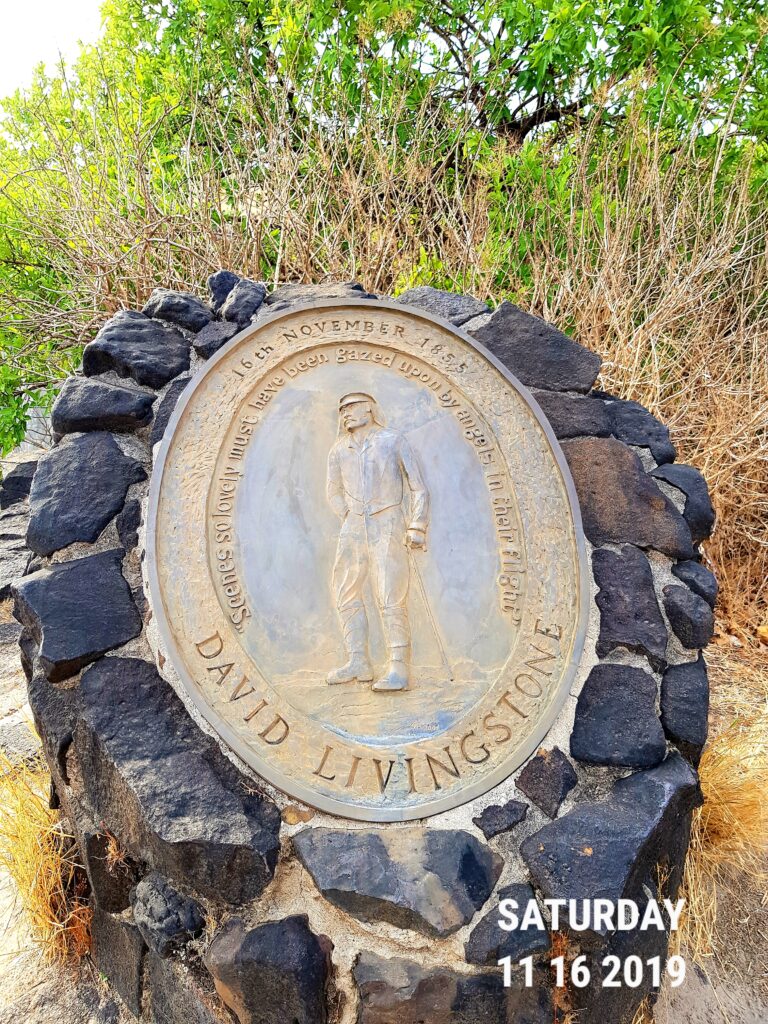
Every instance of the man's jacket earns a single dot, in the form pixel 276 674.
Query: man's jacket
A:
pixel 368 478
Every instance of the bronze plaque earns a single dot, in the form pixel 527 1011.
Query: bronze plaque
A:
pixel 366 559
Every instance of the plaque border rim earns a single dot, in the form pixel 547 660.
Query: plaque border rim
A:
pixel 221 730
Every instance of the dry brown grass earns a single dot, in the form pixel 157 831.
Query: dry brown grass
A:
pixel 727 864
pixel 41 859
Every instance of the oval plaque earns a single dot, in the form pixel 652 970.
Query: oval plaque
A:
pixel 366 559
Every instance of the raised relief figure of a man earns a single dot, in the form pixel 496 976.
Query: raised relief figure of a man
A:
pixel 368 468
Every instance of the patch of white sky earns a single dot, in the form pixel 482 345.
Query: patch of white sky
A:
pixel 43 31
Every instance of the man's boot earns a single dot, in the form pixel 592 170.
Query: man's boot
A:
pixel 396 676
pixel 398 635
pixel 356 643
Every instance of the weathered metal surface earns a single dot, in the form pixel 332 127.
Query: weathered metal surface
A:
pixel 366 559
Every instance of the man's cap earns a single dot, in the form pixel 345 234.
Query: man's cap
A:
pixel 355 396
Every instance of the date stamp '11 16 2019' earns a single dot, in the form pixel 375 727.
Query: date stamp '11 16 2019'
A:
pixel 366 559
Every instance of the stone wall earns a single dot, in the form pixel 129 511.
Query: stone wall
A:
pixel 226 898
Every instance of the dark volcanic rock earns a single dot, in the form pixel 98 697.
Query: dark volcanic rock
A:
pixel 633 424
pixel 620 1005
pixel 685 706
pixel 165 409
pixel 79 487
pixel 243 302
pixel 689 616
pixel 547 779
pixel 536 352
pixel 166 919
pixel 128 523
pixel 432 880
pixel 55 712
pixel 629 612
pixel 697 510
pixel 616 721
pixel 88 404
pixel 212 337
pixel 16 483
pixel 608 849
pixel 500 818
pixel 165 788
pixel 176 995
pixel 399 991
pixel 220 285
pixel 620 503
pixel 110 883
pixel 459 309
pixel 118 949
pixel 700 580
pixel 488 943
pixel 178 308
pixel 76 611
pixel 574 417
pixel 273 974
pixel 134 346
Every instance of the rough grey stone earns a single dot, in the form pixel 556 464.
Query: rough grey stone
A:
pixel 213 336
pixel 220 285
pixel 178 308
pixel 76 611
pixel 500 818
pixel 165 788
pixel 488 943
pixel 111 883
pixel 16 483
pixel 134 346
pixel 630 616
pixel 616 721
pixel 243 302
pixel 399 991
pixel 547 779
pixel 166 919
pixel 79 487
pixel 292 294
pixel 537 353
pixel 607 849
pixel 620 503
pixel 633 424
pixel 700 580
pixel 177 994
pixel 273 974
pixel 10 632
pixel 689 616
pixel 574 417
pixel 85 404
pixel 165 409
pixel 685 706
pixel 13 523
pixel 698 510
pixel 118 949
pixel 128 523
pixel 458 309
pixel 14 563
pixel 432 880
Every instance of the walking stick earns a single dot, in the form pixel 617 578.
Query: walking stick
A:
pixel 430 615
